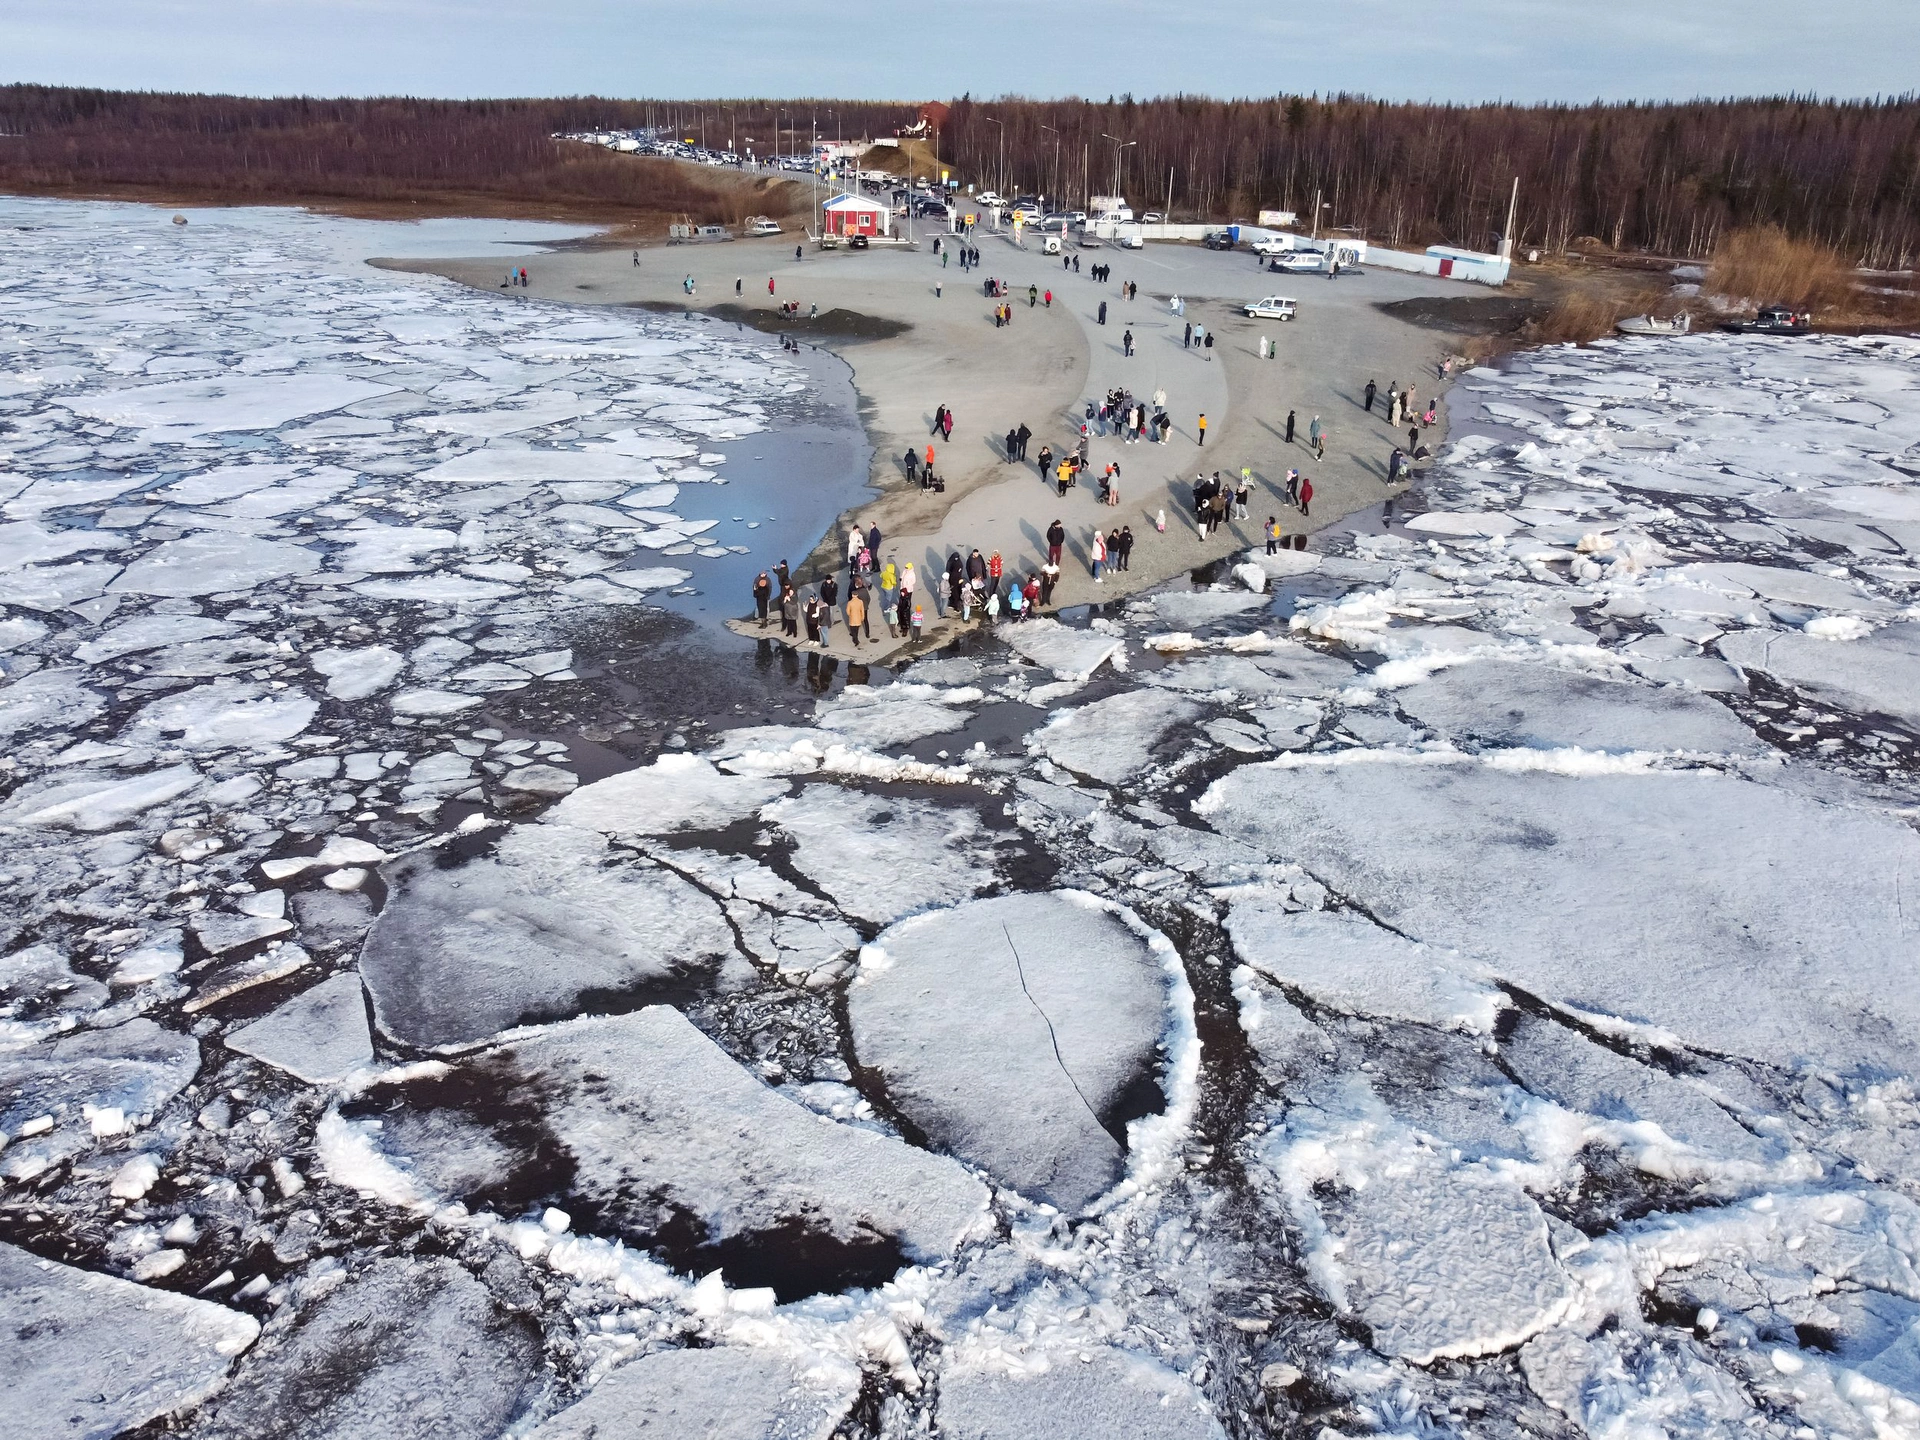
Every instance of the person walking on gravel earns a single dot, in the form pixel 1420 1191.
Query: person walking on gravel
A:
pixel 1203 427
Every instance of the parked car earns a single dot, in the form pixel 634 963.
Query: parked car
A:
pixel 1130 240
pixel 1297 262
pixel 1273 307
pixel 858 242
pixel 987 197
pixel 1153 217
pixel 1217 240
pixel 1272 245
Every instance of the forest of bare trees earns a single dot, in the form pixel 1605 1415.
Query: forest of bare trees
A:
pixel 435 153
pixel 1671 179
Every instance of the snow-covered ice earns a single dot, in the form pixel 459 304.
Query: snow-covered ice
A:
pixel 1526 1049
pixel 669 1141
pixel 319 1036
pixel 92 1356
pixel 407 1347
pixel 1684 885
pixel 724 1393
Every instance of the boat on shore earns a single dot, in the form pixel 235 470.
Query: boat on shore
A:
pixel 1680 324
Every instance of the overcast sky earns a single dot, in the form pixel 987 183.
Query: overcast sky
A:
pixel 866 49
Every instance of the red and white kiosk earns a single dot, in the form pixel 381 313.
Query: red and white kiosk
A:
pixel 855 215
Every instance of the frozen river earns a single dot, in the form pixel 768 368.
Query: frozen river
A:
pixel 1456 981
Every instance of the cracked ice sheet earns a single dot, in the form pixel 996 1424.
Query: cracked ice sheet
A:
pixel 1672 882
pixel 1347 962
pixel 1050 1007
pixel 1114 739
pixel 1439 1259
pixel 636 1102
pixel 552 918
pixel 880 858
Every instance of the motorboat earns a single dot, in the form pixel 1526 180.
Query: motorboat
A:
pixel 761 225
pixel 1652 325
pixel 1776 320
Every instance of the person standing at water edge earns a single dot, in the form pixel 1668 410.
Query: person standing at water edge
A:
pixel 762 595
pixel 1273 535
pixel 790 614
pixel 1097 555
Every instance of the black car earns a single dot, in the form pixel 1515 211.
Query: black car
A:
pixel 1217 240
pixel 858 242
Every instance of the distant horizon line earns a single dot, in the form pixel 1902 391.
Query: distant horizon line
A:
pixel 1877 100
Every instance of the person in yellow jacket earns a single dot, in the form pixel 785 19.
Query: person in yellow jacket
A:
pixel 889 586
pixel 1273 535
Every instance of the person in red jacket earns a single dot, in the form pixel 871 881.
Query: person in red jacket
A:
pixel 1306 495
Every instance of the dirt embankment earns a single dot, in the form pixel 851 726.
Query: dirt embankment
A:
pixel 838 323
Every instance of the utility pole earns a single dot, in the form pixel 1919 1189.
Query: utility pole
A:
pixel 1166 216
pixel 1513 209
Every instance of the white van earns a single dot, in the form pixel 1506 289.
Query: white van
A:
pixel 1273 307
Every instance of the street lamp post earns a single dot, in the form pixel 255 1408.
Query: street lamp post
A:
pixel 1000 173
pixel 1053 180
pixel 1119 147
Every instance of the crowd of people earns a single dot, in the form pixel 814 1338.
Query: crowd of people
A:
pixel 980 586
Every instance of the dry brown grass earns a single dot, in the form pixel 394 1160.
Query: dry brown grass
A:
pixel 1767 266
pixel 1582 316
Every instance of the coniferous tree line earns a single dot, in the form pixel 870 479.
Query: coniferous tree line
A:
pixel 1672 179
pixel 1667 178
